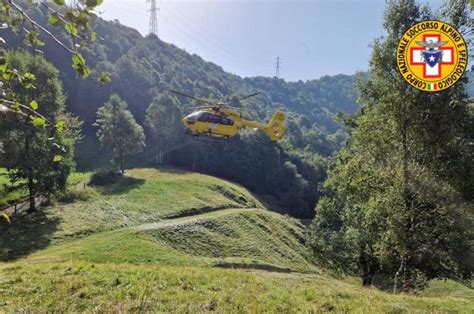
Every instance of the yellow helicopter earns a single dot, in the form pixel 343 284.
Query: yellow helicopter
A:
pixel 218 121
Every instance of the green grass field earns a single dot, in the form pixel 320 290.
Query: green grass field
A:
pixel 9 194
pixel 168 240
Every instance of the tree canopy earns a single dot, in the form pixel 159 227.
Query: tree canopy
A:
pixel 400 200
pixel 31 151
pixel 119 134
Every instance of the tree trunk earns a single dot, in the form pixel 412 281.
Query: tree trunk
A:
pixel 31 186
pixel 367 279
pixel 407 207
pixel 367 265
pixel 397 274
pixel 121 164
pixel 157 161
pixel 31 196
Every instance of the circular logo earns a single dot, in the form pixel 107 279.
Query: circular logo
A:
pixel 432 56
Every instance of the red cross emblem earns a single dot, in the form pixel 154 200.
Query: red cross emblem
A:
pixel 416 57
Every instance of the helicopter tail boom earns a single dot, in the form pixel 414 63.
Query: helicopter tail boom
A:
pixel 274 129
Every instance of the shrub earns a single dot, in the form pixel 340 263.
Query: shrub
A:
pixel 103 178
pixel 78 195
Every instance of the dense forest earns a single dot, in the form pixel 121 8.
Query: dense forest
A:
pixel 144 68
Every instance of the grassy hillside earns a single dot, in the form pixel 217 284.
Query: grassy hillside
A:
pixel 146 195
pixel 168 240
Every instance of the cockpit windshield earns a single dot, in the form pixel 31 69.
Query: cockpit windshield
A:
pixel 192 117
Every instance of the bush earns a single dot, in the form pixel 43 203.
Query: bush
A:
pixel 103 178
pixel 78 195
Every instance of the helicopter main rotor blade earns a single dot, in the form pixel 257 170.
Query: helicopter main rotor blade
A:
pixel 200 107
pixel 249 96
pixel 192 97
pixel 240 109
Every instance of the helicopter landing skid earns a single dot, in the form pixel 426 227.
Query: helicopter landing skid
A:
pixel 207 137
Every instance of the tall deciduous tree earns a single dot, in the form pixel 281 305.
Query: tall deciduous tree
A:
pixel 400 199
pixel 32 151
pixel 118 132
pixel 163 119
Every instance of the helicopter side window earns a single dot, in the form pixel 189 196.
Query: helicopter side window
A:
pixel 226 121
pixel 207 117
pixel 214 119
pixel 204 117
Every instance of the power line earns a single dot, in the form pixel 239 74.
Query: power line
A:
pixel 277 67
pixel 153 26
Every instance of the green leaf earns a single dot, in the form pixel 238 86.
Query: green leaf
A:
pixel 7 74
pixel 34 105
pixel 105 78
pixel 60 126
pixel 78 59
pixel 5 7
pixel 39 42
pixel 39 122
pixel 59 2
pixel 54 19
pixel 32 37
pixel 27 80
pixel 57 158
pixel 71 29
pixel 29 76
pixel 79 65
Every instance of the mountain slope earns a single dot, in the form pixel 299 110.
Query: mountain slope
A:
pixel 141 67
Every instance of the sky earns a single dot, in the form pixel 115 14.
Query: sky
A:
pixel 312 37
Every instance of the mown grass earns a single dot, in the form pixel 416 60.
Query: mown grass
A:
pixel 239 238
pixel 145 195
pixel 233 238
pixel 111 287
pixel 171 192
pixel 172 241
pixel 118 246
